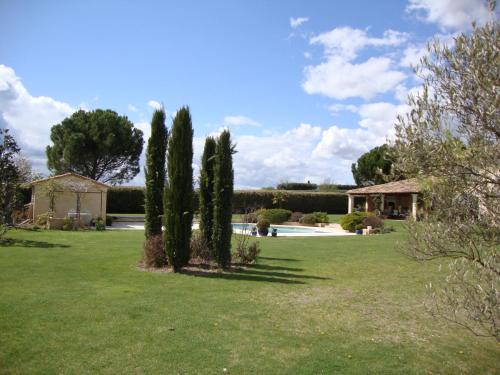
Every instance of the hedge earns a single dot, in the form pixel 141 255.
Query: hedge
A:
pixel 296 186
pixel 130 199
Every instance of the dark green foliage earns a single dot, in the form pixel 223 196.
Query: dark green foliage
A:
pixel 321 217
pixel 275 215
pixel 126 200
pixel 129 199
pixel 372 166
pixel 100 224
pixel 223 199
pixel 178 192
pixel 263 224
pixel 206 192
pixel 350 221
pixel 296 186
pixel 335 188
pixel 155 174
pixel 9 175
pixel 98 144
pixel 109 220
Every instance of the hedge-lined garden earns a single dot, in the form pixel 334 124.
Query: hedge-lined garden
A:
pixel 130 200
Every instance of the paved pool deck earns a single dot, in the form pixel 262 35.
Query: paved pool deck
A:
pixel 326 231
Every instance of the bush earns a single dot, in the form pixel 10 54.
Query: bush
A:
pixel 296 186
pixel 296 216
pixel 263 224
pixel 359 227
pixel 109 220
pixel 69 223
pixel 3 230
pixel 42 219
pixel 350 221
pixel 100 225
pixel 321 217
pixel 199 248
pixel 308 219
pixel 125 200
pixel 250 217
pixel 154 254
pixel 247 254
pixel 374 221
pixel 274 215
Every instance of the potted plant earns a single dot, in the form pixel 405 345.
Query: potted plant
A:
pixel 359 229
pixel 253 232
pixel 263 227
pixel 274 232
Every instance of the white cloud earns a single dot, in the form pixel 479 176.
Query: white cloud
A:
pixel 339 76
pixel 339 107
pixel 450 14
pixel 347 42
pixel 240 121
pixel 412 55
pixel 340 79
pixel 296 22
pixel 307 55
pixel 132 108
pixel 30 118
pixel 154 104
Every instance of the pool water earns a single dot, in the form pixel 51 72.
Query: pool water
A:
pixel 280 228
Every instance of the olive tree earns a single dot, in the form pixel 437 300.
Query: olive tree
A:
pixel 450 141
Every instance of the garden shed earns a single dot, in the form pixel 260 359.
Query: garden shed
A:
pixel 396 199
pixel 69 195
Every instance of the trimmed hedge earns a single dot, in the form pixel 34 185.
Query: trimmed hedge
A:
pixel 130 199
pixel 296 186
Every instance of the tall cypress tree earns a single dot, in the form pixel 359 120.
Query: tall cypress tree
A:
pixel 223 199
pixel 206 192
pixel 178 192
pixel 155 174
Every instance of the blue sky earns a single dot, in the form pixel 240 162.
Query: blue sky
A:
pixel 305 87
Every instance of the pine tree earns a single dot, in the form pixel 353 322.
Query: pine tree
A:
pixel 155 174
pixel 178 192
pixel 223 197
pixel 207 191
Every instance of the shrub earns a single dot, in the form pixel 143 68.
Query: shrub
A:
pixel 247 254
pixel 200 248
pixel 263 224
pixel 42 219
pixel 359 227
pixel 154 253
pixel 274 215
pixel 109 220
pixel 250 217
pixel 374 221
pixel 3 230
pixel 349 221
pixel 296 216
pixel 321 217
pixel 100 225
pixel 296 186
pixel 308 219
pixel 69 223
pixel 125 200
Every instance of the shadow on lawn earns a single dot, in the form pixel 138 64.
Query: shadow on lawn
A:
pixel 31 244
pixel 256 272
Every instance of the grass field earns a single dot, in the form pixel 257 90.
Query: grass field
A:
pixel 75 303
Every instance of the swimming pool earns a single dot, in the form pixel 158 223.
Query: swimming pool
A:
pixel 290 230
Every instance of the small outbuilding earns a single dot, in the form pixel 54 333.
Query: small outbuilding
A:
pixel 69 195
pixel 396 199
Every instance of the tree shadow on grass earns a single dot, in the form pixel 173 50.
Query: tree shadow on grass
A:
pixel 275 268
pixel 283 274
pixel 14 242
pixel 240 275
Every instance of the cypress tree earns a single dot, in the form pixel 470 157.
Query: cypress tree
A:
pixel 178 192
pixel 206 192
pixel 155 174
pixel 223 199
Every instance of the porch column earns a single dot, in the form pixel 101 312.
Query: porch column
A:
pixel 414 206
pixel 350 205
pixel 366 202
pixel 381 203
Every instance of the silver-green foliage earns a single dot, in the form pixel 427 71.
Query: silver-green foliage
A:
pixel 450 141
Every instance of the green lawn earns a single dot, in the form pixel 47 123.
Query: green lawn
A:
pixel 74 303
